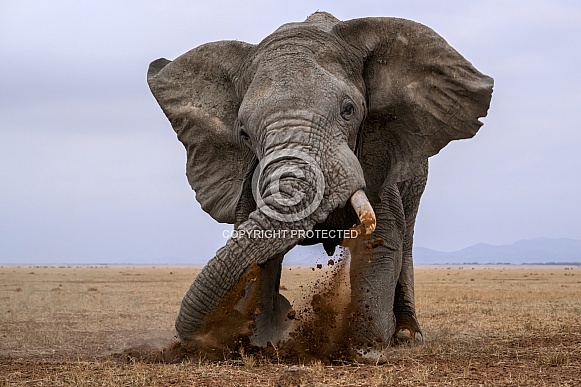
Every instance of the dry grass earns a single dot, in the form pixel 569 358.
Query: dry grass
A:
pixel 484 326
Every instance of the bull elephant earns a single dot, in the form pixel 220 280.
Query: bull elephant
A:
pixel 323 125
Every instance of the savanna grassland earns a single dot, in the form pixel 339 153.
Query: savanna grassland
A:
pixel 512 325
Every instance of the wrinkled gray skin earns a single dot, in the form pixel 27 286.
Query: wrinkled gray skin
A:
pixel 370 100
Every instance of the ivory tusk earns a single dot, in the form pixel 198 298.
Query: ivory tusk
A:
pixel 364 212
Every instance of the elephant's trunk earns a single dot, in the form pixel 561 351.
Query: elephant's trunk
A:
pixel 364 212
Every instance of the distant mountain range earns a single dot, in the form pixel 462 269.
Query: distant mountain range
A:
pixel 538 251
pixel 534 251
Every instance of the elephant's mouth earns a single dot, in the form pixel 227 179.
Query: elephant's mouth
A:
pixel 365 213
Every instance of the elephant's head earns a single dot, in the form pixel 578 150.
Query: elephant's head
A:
pixel 325 109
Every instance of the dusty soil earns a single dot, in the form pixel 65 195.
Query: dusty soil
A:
pixel 484 326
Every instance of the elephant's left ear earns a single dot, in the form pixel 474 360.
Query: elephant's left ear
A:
pixel 421 93
pixel 199 93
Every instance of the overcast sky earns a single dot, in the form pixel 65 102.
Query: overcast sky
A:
pixel 91 171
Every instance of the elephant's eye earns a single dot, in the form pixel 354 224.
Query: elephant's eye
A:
pixel 244 137
pixel 243 133
pixel 347 110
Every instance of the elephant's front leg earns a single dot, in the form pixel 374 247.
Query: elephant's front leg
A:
pixel 374 275
pixel 270 307
pixel 404 305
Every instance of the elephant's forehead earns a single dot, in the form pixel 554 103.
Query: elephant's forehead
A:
pixel 301 39
pixel 302 54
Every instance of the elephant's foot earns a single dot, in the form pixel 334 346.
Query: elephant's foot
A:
pixel 371 332
pixel 272 324
pixel 407 322
pixel 370 342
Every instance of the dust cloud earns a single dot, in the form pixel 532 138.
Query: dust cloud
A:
pixel 319 325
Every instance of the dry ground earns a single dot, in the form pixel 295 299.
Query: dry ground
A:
pixel 484 326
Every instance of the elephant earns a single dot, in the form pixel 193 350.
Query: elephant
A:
pixel 323 125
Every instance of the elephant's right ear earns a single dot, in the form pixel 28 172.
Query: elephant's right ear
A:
pixel 198 94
